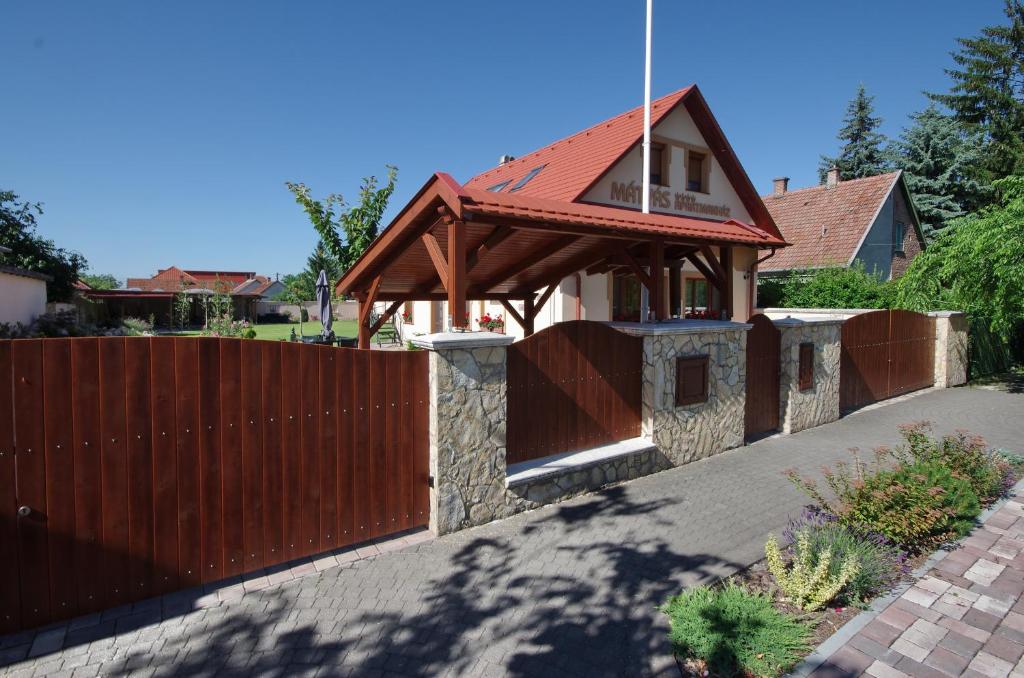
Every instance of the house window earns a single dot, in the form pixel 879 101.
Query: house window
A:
pixel 691 380
pixel 899 231
pixel 498 187
pixel 659 166
pixel 525 180
pixel 697 294
pixel 696 172
pixel 806 366
pixel 625 298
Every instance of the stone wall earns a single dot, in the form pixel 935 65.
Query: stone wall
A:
pixel 799 410
pixel 685 434
pixel 952 351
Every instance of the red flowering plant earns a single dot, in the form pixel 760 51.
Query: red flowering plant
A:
pixel 407 316
pixel 491 323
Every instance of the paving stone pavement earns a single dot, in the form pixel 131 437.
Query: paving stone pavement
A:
pixel 965 617
pixel 570 589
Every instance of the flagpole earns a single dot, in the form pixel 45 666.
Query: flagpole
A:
pixel 646 198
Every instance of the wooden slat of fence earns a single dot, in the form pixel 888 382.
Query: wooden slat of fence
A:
pixel 232 478
pixel 58 433
pixel 138 400
pixel 392 439
pixel 85 370
pixel 912 352
pixel 252 453
pixel 186 376
pixel 362 514
pixel 273 467
pixel 114 463
pixel 328 445
pixel 420 448
pixel 309 371
pixel 211 532
pixel 10 599
pixel 406 416
pixel 165 475
pixel 343 382
pixel 762 367
pixel 27 359
pixel 378 443
pixel 291 450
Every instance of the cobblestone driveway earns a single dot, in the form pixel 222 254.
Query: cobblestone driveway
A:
pixel 566 590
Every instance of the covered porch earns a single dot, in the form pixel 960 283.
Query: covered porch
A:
pixel 455 244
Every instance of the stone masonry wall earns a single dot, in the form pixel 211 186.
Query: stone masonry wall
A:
pixel 685 434
pixel 819 405
pixel 951 349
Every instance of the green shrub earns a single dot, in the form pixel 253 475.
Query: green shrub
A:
pixel 809 580
pixel 735 631
pixel 964 454
pixel 880 564
pixel 249 334
pixel 853 287
pixel 136 326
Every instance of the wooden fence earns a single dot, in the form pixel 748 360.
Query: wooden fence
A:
pixel 131 467
pixel 885 354
pixel 572 386
pixel 764 342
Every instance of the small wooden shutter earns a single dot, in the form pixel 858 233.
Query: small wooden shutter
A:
pixel 806 366
pixel 691 380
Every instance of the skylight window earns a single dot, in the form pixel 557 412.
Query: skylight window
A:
pixel 525 180
pixel 499 187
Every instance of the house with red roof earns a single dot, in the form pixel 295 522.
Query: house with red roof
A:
pixel 558 234
pixel 870 221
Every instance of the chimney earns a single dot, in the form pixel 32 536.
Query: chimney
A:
pixel 506 159
pixel 832 178
pixel 781 185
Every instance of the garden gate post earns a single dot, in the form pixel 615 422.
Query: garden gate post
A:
pixel 810 349
pixel 951 348
pixel 467 387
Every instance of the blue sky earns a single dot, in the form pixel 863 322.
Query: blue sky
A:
pixel 162 134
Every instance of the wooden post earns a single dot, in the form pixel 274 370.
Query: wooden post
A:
pixel 457 273
pixel 528 316
pixel 366 301
pixel 726 253
pixel 675 295
pixel 657 290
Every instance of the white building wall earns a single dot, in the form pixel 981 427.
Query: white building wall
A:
pixel 21 299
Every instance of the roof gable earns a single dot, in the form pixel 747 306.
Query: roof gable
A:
pixel 826 226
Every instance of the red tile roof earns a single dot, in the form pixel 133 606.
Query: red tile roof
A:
pixel 826 225
pixel 532 208
pixel 174 279
pixel 573 164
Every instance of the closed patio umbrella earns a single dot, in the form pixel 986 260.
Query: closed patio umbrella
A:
pixel 323 298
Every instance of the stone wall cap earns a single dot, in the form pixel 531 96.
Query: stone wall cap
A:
pixel 790 321
pixel 946 314
pixel 818 311
pixel 670 327
pixel 442 341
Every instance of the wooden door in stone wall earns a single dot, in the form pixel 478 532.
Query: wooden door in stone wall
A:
pixel 763 355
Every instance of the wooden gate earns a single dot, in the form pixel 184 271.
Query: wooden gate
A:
pixel 572 386
pixel 885 354
pixel 131 467
pixel 763 356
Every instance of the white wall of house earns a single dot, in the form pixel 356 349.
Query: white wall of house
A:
pixel 22 299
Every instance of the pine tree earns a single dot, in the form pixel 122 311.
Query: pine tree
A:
pixel 861 154
pixel 940 160
pixel 988 90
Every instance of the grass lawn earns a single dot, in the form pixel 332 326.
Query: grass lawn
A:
pixel 278 331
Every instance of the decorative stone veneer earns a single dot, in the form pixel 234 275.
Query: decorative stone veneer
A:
pixel 691 432
pixel 799 410
pixel 951 348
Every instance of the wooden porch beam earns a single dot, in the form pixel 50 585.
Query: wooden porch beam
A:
pixel 705 271
pixel 457 273
pixel 727 286
pixel 543 298
pixel 390 311
pixel 531 259
pixel 638 271
pixel 443 296
pixel 657 275
pixel 576 263
pixel 512 312
pixel 499 235
pixel 528 315
pixel 437 256
pixel 366 302
pixel 713 261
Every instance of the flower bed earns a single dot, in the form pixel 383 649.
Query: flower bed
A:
pixel 862 535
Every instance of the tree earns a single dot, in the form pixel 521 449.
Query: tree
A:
pixel 101 281
pixel 346 232
pixel 34 252
pixel 861 154
pixel 977 266
pixel 988 90
pixel 940 159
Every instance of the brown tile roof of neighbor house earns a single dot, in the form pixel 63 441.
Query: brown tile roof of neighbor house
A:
pixel 826 226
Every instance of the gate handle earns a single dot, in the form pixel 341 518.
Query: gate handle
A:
pixel 25 511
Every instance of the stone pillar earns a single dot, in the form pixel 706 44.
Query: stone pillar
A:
pixel 952 351
pixel 467 428
pixel 819 404
pixel 690 432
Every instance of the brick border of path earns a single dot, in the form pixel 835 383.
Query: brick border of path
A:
pixel 846 633
pixel 84 629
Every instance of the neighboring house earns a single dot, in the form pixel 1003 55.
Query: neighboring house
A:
pixel 703 208
pixel 22 293
pixel 154 296
pixel 872 221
